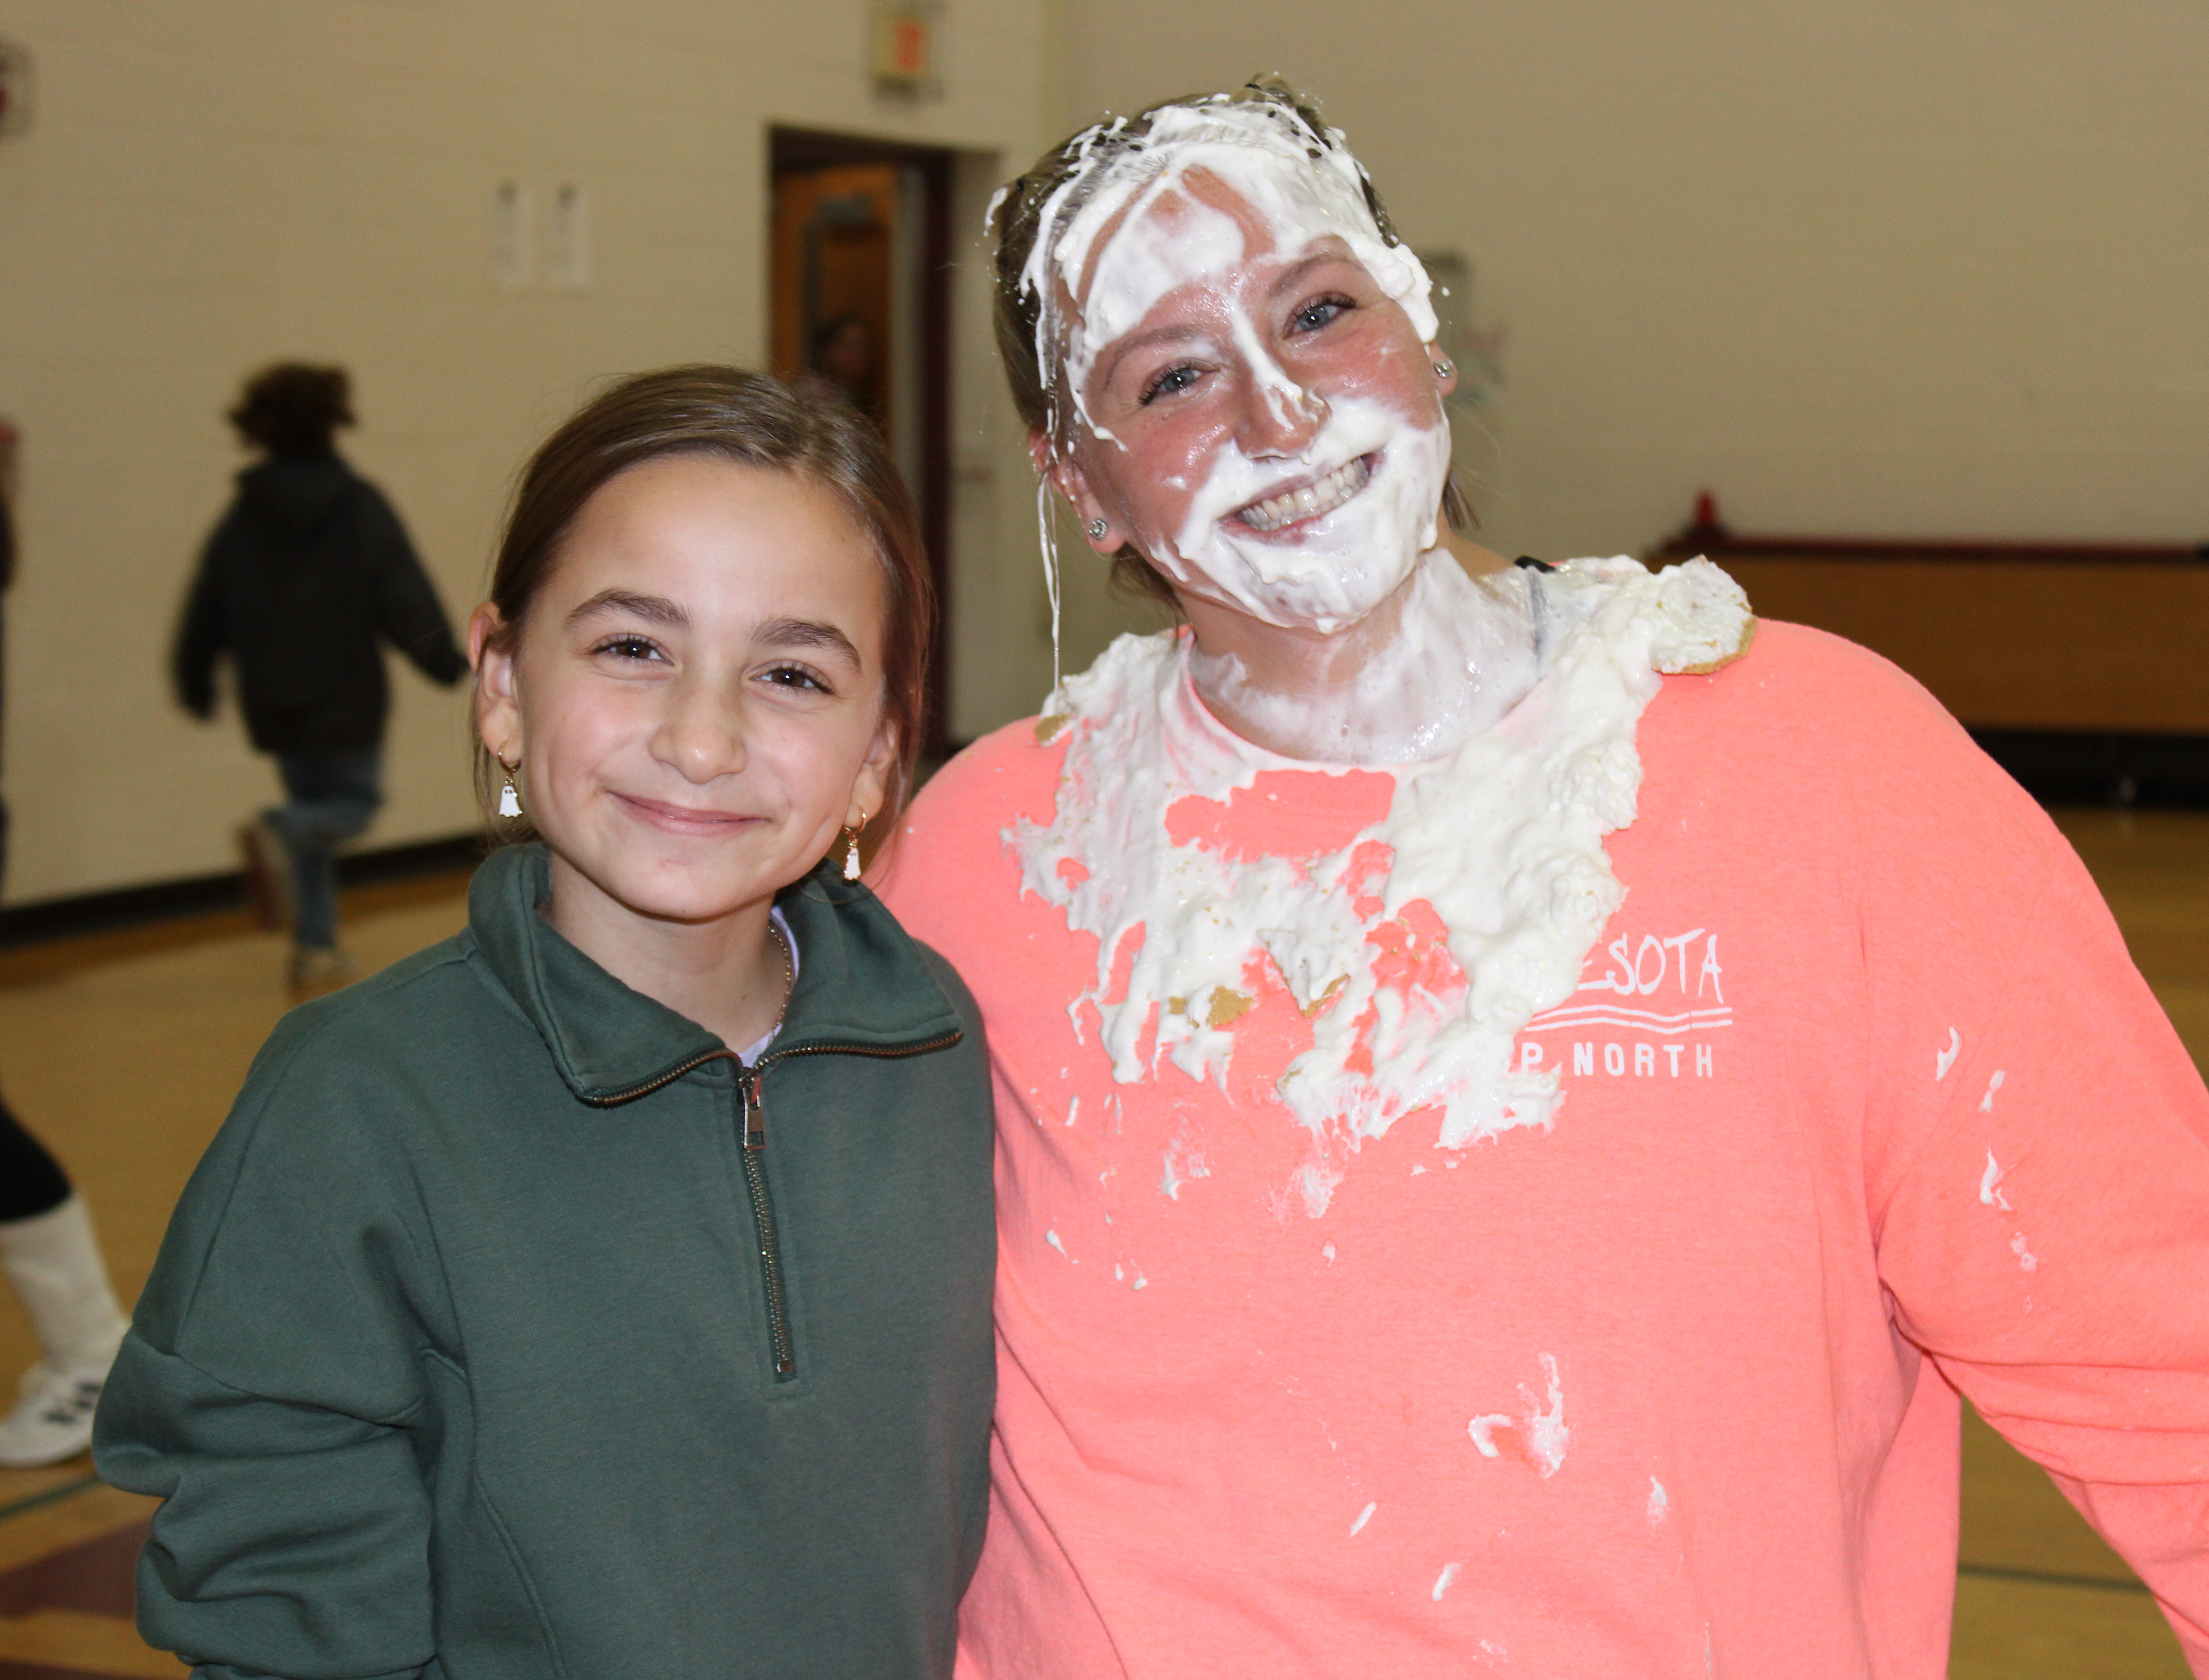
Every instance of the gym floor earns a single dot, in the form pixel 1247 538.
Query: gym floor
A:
pixel 122 1051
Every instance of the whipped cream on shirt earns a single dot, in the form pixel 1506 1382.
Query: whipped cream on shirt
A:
pixel 1492 853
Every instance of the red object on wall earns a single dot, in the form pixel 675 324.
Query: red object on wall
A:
pixel 909 47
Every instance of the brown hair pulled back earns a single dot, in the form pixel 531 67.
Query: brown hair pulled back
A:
pixel 753 420
pixel 1016 222
pixel 294 409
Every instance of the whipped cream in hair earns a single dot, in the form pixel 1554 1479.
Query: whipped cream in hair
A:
pixel 1315 540
pixel 1306 188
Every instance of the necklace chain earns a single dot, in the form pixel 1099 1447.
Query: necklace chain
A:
pixel 789 974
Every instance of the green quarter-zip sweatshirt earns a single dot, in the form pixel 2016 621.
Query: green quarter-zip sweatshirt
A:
pixel 510 1328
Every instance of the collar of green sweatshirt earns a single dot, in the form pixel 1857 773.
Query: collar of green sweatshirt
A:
pixel 861 987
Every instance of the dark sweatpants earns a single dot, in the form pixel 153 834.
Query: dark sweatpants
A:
pixel 31 1182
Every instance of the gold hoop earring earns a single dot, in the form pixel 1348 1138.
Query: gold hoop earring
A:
pixel 852 847
pixel 510 796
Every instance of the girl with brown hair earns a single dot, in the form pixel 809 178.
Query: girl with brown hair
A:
pixel 606 1290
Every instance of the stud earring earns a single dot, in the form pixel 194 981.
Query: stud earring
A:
pixel 1097 529
pixel 1441 370
pixel 852 847
pixel 510 796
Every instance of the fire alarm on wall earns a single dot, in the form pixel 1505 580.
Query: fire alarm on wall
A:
pixel 905 46
pixel 15 87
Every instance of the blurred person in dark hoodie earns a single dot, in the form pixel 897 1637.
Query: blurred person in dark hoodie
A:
pixel 308 570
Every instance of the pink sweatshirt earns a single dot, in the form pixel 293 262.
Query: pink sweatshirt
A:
pixel 1864 1099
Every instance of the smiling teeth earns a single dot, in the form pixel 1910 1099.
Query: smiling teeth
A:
pixel 1323 495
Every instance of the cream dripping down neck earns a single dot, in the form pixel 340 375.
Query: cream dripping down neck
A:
pixel 1444 658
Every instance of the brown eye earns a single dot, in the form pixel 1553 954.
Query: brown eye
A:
pixel 794 677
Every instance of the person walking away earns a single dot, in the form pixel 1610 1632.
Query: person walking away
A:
pixel 306 572
pixel 51 1261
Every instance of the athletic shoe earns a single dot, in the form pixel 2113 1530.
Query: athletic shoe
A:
pixel 52 1421
pixel 268 874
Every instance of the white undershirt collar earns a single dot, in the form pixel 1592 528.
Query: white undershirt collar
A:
pixel 752 1052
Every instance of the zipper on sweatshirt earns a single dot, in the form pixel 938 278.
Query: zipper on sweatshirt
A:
pixel 770 1248
pixel 752 1151
pixel 780 1345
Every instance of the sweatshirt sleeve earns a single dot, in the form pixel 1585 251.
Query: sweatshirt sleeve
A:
pixel 407 610
pixel 271 1392
pixel 200 634
pixel 2038 1159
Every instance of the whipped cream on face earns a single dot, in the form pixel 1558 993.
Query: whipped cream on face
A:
pixel 1501 840
pixel 1303 189
pixel 1342 560
pixel 1315 539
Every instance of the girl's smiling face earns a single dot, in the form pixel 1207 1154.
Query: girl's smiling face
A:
pixel 696 697
pixel 1263 420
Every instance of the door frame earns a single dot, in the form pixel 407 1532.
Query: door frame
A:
pixel 791 149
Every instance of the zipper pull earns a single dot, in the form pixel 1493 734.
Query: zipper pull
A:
pixel 754 1111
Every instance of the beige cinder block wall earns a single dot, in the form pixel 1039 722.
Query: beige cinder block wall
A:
pixel 1918 270
pixel 1932 268
pixel 208 185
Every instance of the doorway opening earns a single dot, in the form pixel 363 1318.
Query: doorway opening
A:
pixel 859 296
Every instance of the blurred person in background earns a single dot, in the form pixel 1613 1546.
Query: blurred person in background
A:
pixel 307 570
pixel 847 363
pixel 46 1244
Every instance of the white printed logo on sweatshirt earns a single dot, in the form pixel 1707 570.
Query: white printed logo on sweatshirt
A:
pixel 1680 977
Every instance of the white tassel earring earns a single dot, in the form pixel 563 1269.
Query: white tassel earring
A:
pixel 851 848
pixel 510 796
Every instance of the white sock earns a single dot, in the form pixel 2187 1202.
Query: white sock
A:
pixel 54 1263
